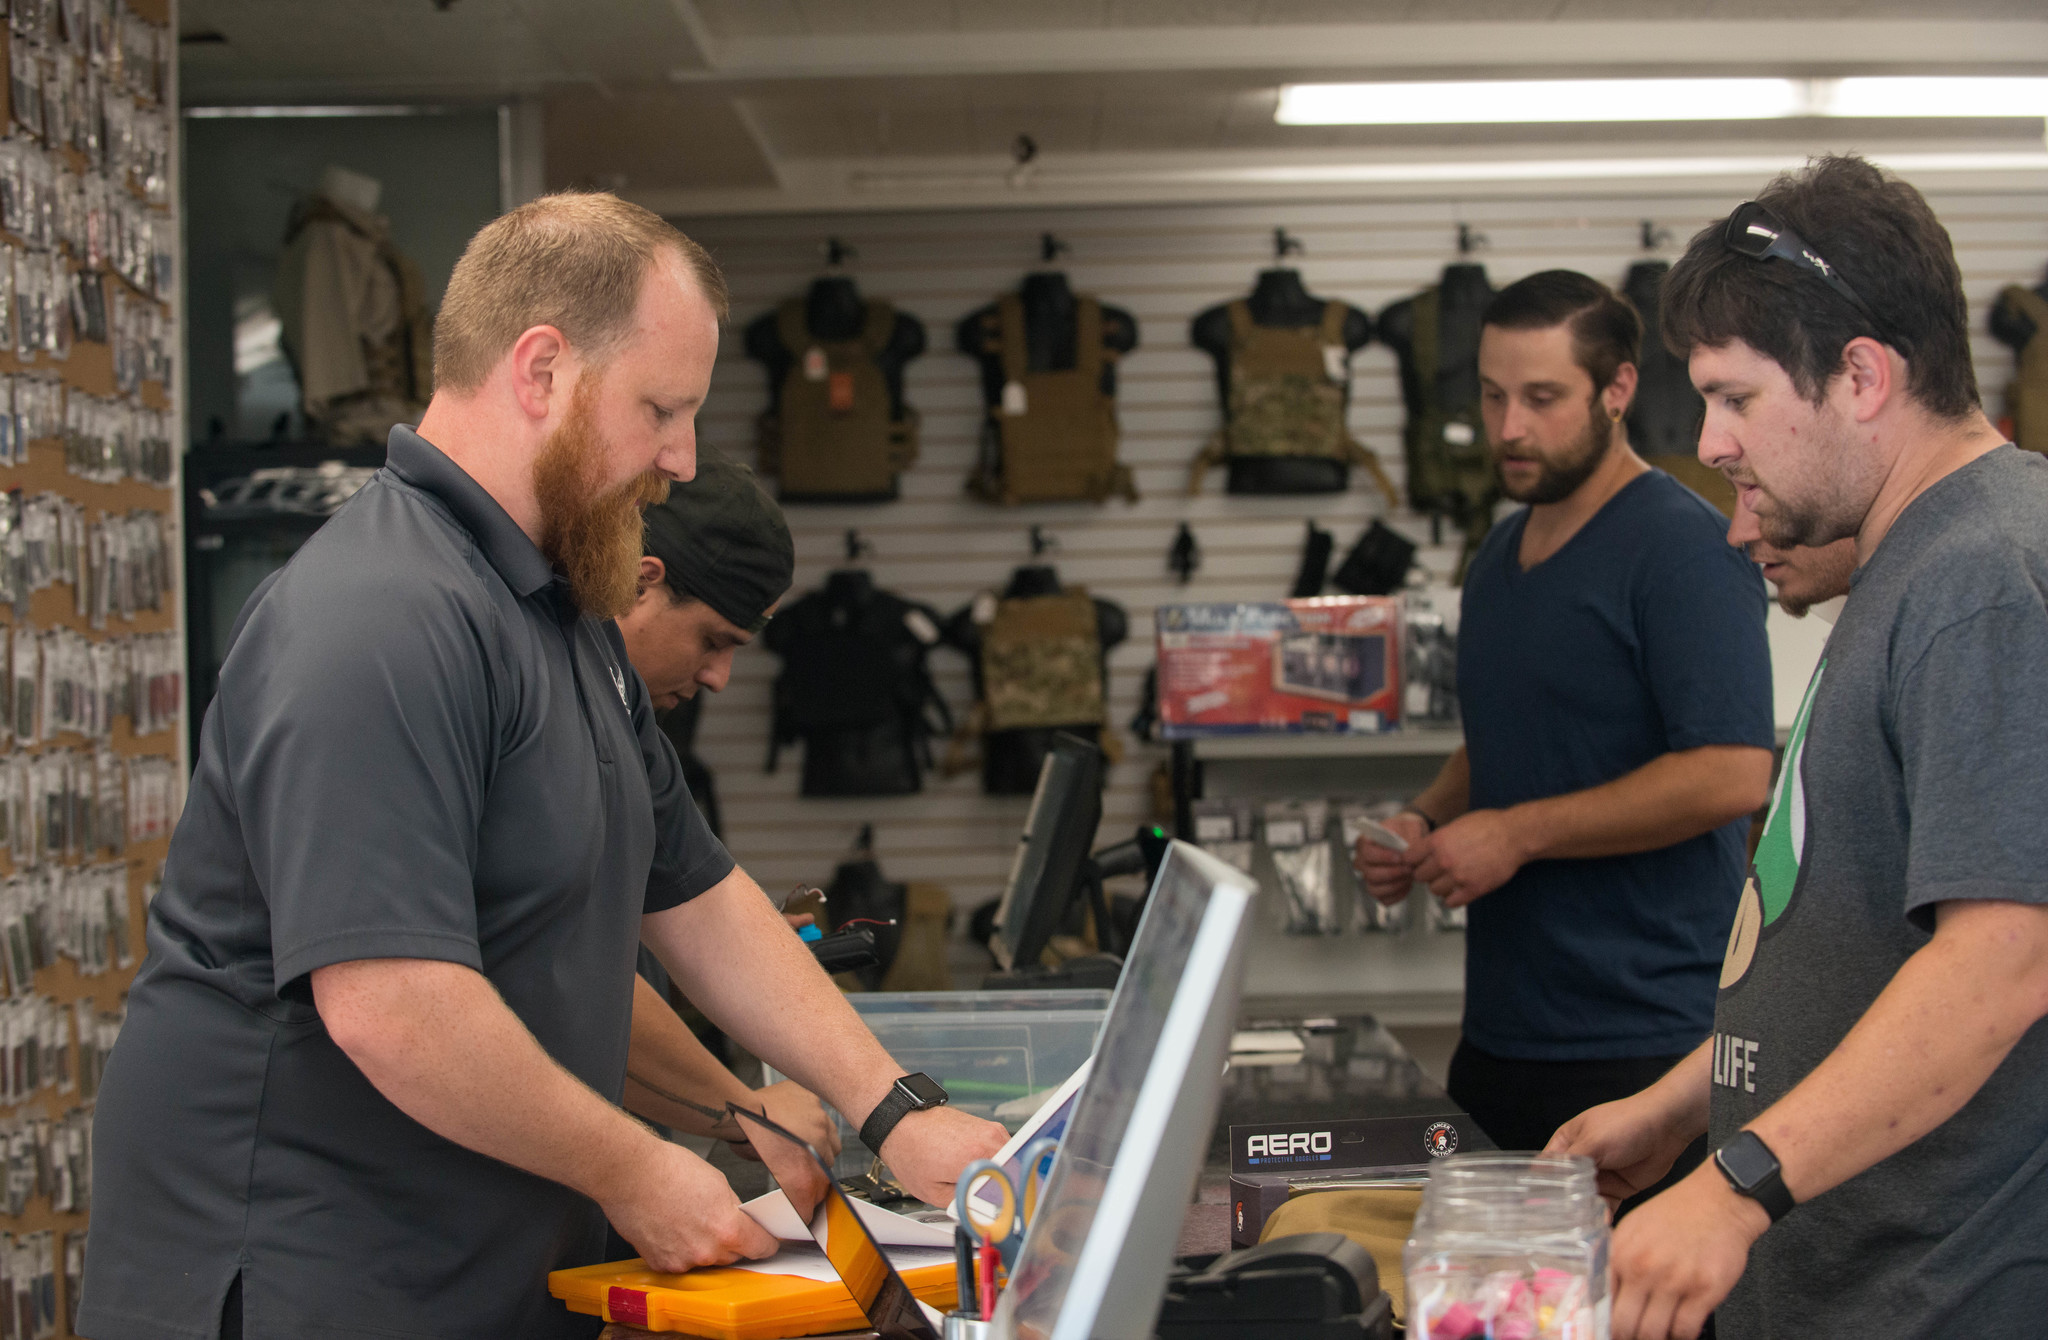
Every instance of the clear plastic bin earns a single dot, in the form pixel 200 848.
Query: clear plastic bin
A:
pixel 1508 1247
pixel 992 1050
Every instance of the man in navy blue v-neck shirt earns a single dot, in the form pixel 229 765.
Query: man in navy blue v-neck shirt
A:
pixel 1615 682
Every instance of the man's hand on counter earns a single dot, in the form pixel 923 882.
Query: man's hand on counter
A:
pixel 680 1213
pixel 1630 1141
pixel 1679 1253
pixel 928 1149
pixel 1390 874
pixel 797 1110
pixel 1471 856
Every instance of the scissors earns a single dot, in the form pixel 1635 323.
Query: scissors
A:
pixel 990 1204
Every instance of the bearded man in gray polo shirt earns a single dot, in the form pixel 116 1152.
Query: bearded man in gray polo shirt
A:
pixel 369 1080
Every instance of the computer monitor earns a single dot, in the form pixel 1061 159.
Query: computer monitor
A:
pixel 1066 809
pixel 1095 1259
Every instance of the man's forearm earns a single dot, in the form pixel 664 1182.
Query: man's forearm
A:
pixel 1937 1031
pixel 667 1061
pixel 438 1041
pixel 740 963
pixel 1669 799
pixel 1450 795
pixel 1685 1094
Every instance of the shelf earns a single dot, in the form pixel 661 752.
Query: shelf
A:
pixel 1400 743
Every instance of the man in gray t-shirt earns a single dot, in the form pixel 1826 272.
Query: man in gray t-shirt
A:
pixel 1876 1089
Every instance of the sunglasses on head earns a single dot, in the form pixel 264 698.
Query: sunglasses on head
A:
pixel 1754 231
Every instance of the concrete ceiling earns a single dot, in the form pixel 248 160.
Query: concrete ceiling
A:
pixel 763 104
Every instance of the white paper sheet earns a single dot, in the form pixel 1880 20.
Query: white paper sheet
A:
pixel 806 1260
pixel 773 1213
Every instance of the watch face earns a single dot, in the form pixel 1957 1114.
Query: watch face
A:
pixel 1747 1161
pixel 923 1088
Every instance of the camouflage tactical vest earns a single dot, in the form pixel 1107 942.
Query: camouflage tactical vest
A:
pixel 831 436
pixel 1054 434
pixel 2027 396
pixel 1287 397
pixel 399 367
pixel 1041 663
pixel 1450 470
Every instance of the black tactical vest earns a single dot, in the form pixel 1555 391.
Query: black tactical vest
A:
pixel 1664 421
pixel 855 689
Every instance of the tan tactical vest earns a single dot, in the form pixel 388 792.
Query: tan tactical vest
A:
pixel 1287 397
pixel 1055 432
pixel 2027 396
pixel 831 434
pixel 1041 663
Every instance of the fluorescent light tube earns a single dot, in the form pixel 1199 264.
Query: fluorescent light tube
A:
pixel 1933 96
pixel 1501 101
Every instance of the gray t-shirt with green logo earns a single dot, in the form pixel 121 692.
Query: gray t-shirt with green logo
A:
pixel 1917 774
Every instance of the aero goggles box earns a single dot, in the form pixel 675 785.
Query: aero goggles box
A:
pixel 1330 664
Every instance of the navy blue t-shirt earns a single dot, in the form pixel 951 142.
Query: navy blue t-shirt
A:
pixel 1642 636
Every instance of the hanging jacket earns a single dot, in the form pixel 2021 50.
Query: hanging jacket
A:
pixel 1284 429
pixel 2027 395
pixel 856 691
pixel 1052 436
pixel 1450 470
pixel 355 321
pixel 1664 419
pixel 831 437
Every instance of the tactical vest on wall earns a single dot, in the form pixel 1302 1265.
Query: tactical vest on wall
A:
pixel 1284 429
pixel 1664 419
pixel 831 437
pixel 855 690
pixel 1450 471
pixel 1053 434
pixel 2027 396
pixel 1041 663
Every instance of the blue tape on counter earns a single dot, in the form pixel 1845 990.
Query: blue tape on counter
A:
pixel 810 933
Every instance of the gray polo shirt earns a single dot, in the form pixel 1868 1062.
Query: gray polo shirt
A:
pixel 419 750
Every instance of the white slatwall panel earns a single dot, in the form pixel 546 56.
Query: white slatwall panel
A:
pixel 1163 264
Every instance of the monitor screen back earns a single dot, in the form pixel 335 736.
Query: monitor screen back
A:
pixel 1095 1259
pixel 1066 809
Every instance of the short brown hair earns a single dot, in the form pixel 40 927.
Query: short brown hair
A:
pixel 574 261
pixel 1605 330
pixel 1883 238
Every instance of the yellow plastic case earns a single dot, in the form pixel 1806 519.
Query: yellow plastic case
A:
pixel 727 1304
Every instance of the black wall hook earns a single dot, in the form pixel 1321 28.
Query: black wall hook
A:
pixel 1050 248
pixel 1186 554
pixel 1041 543
pixel 1469 239
pixel 838 252
pixel 857 545
pixel 1653 236
pixel 1286 244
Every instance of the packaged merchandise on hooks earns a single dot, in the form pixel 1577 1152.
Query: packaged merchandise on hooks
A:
pixel 65 805
pixel 76 912
pixel 64 682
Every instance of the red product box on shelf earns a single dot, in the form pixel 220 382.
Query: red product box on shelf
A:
pixel 1330 664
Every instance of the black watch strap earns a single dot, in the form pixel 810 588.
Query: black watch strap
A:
pixel 1752 1169
pixel 899 1103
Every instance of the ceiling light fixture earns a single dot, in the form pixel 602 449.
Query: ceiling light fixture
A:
pixel 1508 101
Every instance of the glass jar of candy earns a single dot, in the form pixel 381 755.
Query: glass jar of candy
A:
pixel 1509 1247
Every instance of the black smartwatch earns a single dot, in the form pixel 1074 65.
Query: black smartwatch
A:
pixel 912 1093
pixel 1752 1169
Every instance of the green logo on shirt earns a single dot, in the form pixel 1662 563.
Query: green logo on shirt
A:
pixel 1775 871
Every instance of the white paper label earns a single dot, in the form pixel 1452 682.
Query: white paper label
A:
pixel 1014 402
pixel 1214 828
pixel 815 367
pixel 1285 832
pixel 1336 363
pixel 921 626
pixel 1459 434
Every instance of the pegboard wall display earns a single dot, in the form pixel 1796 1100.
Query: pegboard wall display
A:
pixel 1163 264
pixel 91 704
